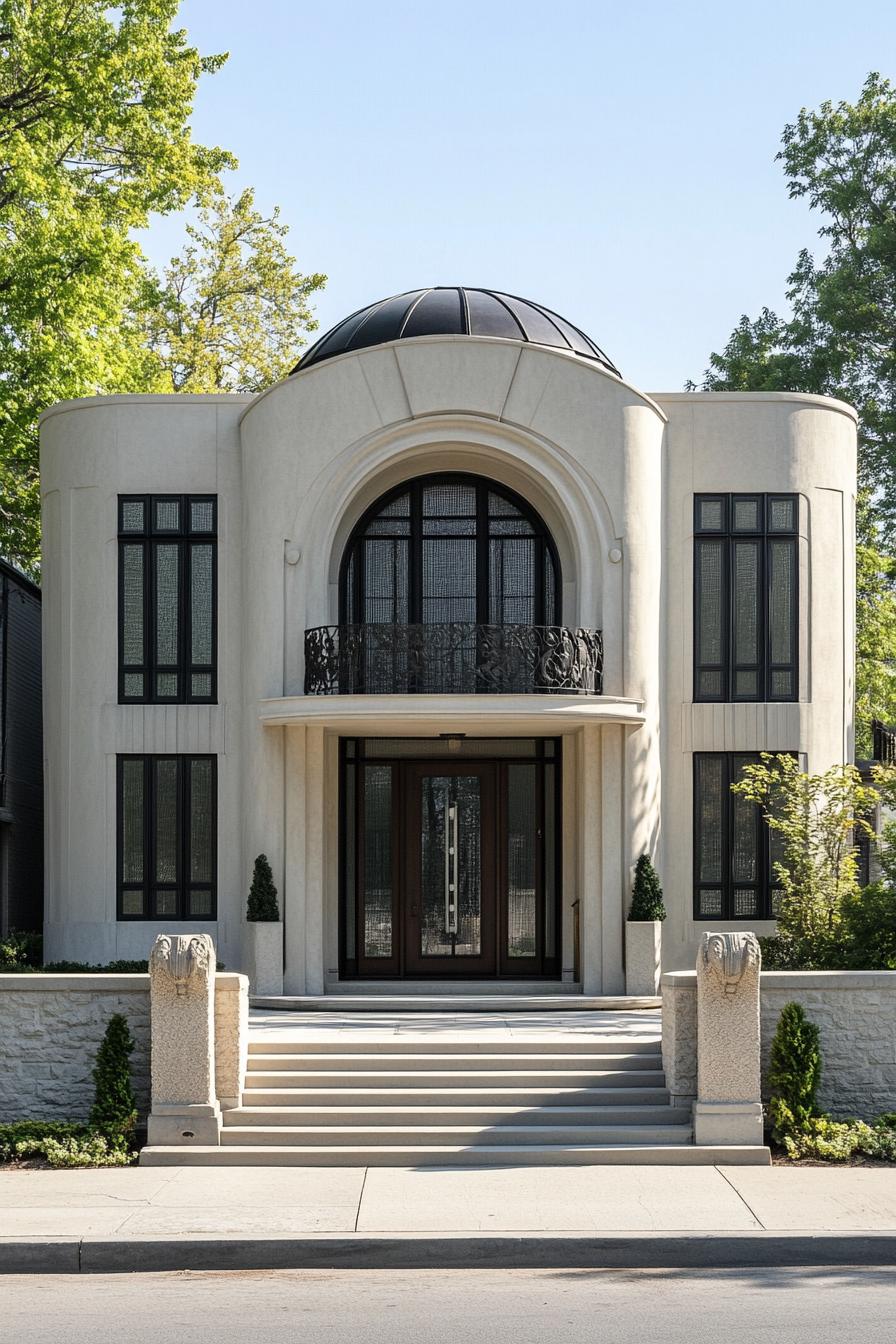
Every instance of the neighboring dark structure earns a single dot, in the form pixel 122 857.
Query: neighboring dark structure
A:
pixel 21 754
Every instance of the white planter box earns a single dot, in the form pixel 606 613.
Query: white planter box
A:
pixel 643 956
pixel 263 956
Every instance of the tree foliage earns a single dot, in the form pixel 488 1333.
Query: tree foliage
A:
pixel 114 1110
pixel 814 820
pixel 840 337
pixel 95 105
pixel 230 309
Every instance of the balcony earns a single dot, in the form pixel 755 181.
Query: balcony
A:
pixel 883 743
pixel 455 659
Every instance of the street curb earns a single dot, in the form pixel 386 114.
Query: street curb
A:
pixel 460 1250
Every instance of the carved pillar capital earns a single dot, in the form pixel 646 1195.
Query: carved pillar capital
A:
pixel 728 958
pixel 182 962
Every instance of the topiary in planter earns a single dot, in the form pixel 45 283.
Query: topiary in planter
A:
pixel 262 907
pixel 114 1111
pixel 647 894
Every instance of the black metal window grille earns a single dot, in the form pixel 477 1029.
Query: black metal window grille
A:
pixel 746 608
pixel 450 549
pixel 167 599
pixel 734 851
pixel 167 834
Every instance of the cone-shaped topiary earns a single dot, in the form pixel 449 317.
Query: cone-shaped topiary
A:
pixel 114 1110
pixel 262 905
pixel 794 1070
pixel 647 894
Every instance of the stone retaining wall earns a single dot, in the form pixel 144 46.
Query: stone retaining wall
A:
pixel 51 1027
pixel 855 1012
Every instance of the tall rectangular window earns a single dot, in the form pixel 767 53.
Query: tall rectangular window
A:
pixel 167 837
pixel 746 613
pixel 734 851
pixel 167 599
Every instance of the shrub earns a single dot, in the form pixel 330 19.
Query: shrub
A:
pixel 30 1131
pixel 868 928
pixel 262 905
pixel 20 950
pixel 647 894
pixel 114 1110
pixel 794 1076
pixel 794 1072
pixel 814 821
pixel 91 1150
pixel 61 1143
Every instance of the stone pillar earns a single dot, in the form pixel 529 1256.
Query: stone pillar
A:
pixel 728 1109
pixel 185 1108
pixel 231 1037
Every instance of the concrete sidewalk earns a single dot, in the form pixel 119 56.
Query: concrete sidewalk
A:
pixel 163 1218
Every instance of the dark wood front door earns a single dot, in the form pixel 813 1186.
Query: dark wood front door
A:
pixel 450 864
pixel 451 891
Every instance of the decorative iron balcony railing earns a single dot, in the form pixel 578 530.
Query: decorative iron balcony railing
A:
pixel 456 659
pixel 883 743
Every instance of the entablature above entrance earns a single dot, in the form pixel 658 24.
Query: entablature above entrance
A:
pixel 377 715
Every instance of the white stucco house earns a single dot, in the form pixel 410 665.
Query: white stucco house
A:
pixel 453 624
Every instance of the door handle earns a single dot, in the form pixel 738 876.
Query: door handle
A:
pixel 451 859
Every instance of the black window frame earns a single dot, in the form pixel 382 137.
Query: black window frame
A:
pixel 764 537
pixel 352 577
pixel 183 886
pixel 149 538
pixel 765 886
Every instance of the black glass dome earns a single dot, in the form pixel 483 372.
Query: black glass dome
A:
pixel 448 311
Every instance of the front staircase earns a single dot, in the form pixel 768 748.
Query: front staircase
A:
pixel 424 1100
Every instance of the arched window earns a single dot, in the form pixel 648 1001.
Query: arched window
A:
pixel 450 549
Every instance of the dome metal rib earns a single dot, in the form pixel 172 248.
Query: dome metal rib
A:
pixel 453 311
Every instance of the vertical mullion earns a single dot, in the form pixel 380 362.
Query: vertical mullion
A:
pixel 149 852
pixel 727 823
pixel 182 834
pixel 415 557
pixel 150 622
pixel 185 610
pixel 483 542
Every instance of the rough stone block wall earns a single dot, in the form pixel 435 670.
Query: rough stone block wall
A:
pixel 856 1018
pixel 51 1027
pixel 50 1031
pixel 855 1012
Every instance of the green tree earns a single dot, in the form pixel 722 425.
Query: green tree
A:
pixel 95 105
pixel 814 820
pixel 840 337
pixel 231 308
pixel 114 1111
pixel 794 1071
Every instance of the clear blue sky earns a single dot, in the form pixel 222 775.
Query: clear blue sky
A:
pixel 613 161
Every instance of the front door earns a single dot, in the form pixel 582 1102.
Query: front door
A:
pixel 450 858
pixel 451 891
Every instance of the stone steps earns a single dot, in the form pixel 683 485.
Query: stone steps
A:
pixel 476 1155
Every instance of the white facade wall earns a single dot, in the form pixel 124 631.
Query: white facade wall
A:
pixel 613 474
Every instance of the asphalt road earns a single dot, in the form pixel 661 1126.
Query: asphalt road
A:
pixel 793 1306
